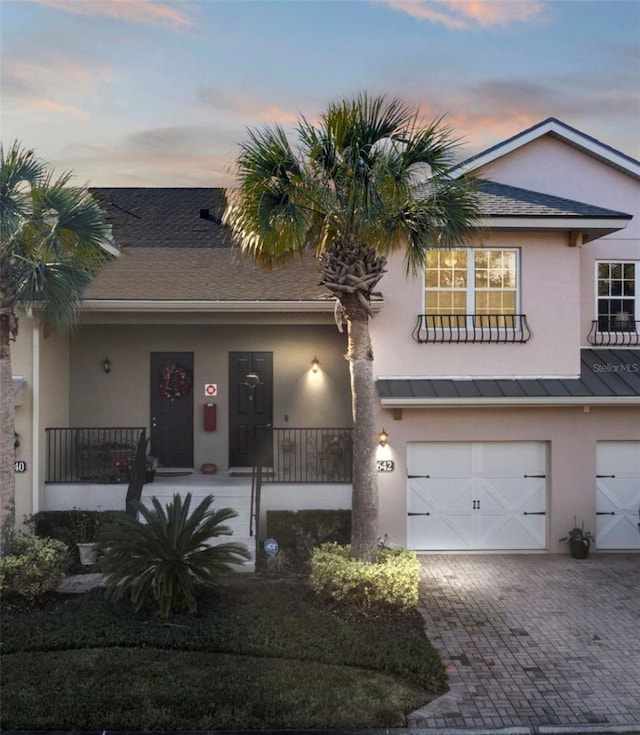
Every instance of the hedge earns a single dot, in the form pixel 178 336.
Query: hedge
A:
pixel 32 567
pixel 391 581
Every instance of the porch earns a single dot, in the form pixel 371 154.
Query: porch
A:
pixel 301 468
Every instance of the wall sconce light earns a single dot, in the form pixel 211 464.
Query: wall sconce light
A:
pixel 315 365
pixel 106 365
pixel 383 438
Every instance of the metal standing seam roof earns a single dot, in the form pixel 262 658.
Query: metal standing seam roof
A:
pixel 606 376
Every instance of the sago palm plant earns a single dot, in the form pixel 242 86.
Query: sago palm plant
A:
pixel 162 556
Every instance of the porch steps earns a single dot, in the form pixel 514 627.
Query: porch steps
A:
pixel 234 493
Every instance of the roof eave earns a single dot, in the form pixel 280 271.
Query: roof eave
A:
pixel 157 305
pixel 531 402
pixel 591 227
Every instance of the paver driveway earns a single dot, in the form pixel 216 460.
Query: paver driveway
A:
pixel 533 640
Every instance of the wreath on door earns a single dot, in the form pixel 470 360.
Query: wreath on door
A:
pixel 175 381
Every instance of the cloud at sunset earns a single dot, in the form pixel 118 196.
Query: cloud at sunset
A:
pixel 463 14
pixel 144 12
pixel 249 109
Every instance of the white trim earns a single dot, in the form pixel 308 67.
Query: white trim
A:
pixel 559 222
pixel 35 421
pixel 478 377
pixel 574 137
pixel 213 306
pixel 531 402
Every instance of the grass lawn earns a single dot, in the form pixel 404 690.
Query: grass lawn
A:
pixel 260 653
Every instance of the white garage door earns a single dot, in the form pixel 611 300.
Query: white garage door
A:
pixel 476 495
pixel 618 495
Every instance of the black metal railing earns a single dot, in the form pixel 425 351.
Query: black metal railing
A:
pixel 91 455
pixel 614 332
pixel 306 455
pixel 472 329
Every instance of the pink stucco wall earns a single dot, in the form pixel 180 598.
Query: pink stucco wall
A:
pixel 571 435
pixel 550 298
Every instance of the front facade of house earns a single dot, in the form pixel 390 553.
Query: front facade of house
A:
pixel 507 374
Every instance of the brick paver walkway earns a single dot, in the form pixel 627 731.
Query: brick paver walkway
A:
pixel 533 640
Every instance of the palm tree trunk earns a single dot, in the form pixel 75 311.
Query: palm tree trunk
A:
pixel 364 503
pixel 7 428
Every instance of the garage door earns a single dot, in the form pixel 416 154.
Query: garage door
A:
pixel 618 495
pixel 480 495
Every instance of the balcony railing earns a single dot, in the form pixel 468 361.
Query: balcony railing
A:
pixel 472 329
pixel 614 332
pixel 307 455
pixel 91 455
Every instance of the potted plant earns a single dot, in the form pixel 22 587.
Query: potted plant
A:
pixel 579 540
pixel 83 529
pixel 151 465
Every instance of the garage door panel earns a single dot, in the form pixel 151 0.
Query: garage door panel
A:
pixel 498 495
pixel 618 495
pixel 510 459
pixel 440 495
pixel 476 495
pixel 439 459
pixel 440 533
pixel 512 532
pixel 616 532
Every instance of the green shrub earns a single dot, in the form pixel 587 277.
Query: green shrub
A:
pixel 298 533
pixel 161 558
pixel 391 581
pixel 32 567
pixel 71 526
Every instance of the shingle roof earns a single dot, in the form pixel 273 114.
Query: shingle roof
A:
pixel 606 375
pixel 174 247
pixel 203 274
pixel 501 200
pixel 165 217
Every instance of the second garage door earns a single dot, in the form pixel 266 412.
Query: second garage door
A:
pixel 476 495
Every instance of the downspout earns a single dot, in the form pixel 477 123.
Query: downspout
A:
pixel 35 421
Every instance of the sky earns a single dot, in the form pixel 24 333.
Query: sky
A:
pixel 161 93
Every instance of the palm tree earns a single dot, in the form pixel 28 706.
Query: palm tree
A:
pixel 53 240
pixel 368 180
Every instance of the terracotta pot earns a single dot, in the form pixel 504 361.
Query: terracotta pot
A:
pixel 208 468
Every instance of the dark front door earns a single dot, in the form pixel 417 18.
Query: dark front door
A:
pixel 172 408
pixel 250 404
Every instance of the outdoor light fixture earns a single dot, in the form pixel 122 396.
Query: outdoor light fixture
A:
pixel 383 438
pixel 106 364
pixel 315 365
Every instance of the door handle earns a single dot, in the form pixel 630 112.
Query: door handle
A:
pixel 418 514
pixel 535 513
pixel 605 513
pixel 476 505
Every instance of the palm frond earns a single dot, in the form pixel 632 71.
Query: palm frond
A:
pixel 165 555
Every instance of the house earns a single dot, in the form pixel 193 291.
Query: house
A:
pixel 508 375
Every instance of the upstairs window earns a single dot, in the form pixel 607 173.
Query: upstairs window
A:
pixel 477 284
pixel 617 296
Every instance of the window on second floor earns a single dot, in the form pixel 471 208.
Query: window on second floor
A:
pixel 480 284
pixel 617 295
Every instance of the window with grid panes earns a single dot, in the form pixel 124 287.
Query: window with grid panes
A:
pixel 617 295
pixel 476 282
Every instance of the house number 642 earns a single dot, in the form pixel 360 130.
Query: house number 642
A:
pixel 385 465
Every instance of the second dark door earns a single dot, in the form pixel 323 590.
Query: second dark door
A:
pixel 250 404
